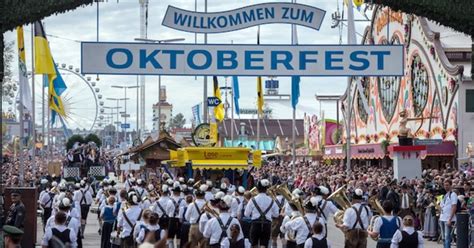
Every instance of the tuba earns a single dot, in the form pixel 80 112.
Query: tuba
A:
pixel 376 207
pixel 340 198
pixel 285 192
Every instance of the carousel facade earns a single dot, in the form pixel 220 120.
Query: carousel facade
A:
pixel 429 91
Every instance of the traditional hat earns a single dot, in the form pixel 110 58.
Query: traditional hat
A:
pixel 263 184
pixel 241 190
pixel 312 204
pixel 12 231
pixel 358 194
pixel 324 190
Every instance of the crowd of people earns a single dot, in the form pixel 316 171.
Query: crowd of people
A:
pixel 287 207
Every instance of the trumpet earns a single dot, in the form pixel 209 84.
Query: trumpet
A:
pixel 339 196
pixel 375 205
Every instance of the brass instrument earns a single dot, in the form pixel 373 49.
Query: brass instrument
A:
pixel 271 192
pixel 254 191
pixel 285 192
pixel 377 207
pixel 55 190
pixel 339 196
pixel 210 210
pixel 197 184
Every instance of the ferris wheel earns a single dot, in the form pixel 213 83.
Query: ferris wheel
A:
pixel 81 99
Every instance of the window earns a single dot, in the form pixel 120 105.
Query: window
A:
pixel 470 101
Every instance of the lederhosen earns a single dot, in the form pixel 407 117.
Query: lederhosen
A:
pixel 260 229
pixel 129 242
pixel 223 231
pixel 358 232
pixel 63 236
pixel 309 226
pixel 238 244
pixel 84 206
pixel 47 210
pixel 321 208
pixel 276 223
pixel 164 219
pixel 79 239
pixel 409 240
pixel 157 233
pixel 245 222
pixel 174 225
pixel 185 225
pixel 323 243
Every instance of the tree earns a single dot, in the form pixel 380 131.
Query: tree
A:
pixel 93 138
pixel 71 141
pixel 9 86
pixel 178 121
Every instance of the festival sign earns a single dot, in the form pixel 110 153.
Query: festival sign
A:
pixel 241 60
pixel 249 16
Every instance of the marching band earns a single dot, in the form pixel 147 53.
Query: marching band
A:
pixel 188 214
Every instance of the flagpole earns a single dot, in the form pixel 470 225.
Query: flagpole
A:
pixel 232 116
pixel 43 124
pixel 205 107
pixel 22 123
pixel 351 39
pixel 293 121
pixel 33 111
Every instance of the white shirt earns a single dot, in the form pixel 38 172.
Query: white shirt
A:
pixel 141 234
pixel 397 237
pixel 378 222
pixel 309 242
pixel 234 206
pixel 192 214
pixel 213 230
pixel 205 217
pixel 132 213
pixel 264 201
pixel 329 209
pixel 286 219
pixel 99 194
pixel 170 208
pixel 61 228
pixel 225 243
pixel 163 202
pixel 350 217
pixel 74 223
pixel 449 201
pixel 141 192
pixel 302 230
pixel 46 200
pixel 78 195
pixel 405 201
pixel 208 196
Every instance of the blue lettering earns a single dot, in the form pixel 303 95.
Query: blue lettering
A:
pixel 285 61
pixel 307 17
pixel 249 16
pixel 195 22
pixel 259 13
pixel 285 13
pixel 210 22
pixel 221 21
pixel 249 59
pixel 270 12
pixel 236 21
pixel 330 60
pixel 173 54
pixel 304 59
pixel 365 62
pixel 207 62
pixel 380 54
pixel 144 59
pixel 126 52
pixel 222 58
pixel 294 15
pixel 179 18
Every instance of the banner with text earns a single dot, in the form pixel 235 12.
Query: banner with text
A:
pixel 249 16
pixel 241 60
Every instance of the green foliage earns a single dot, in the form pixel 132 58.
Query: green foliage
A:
pixel 384 144
pixel 94 138
pixel 71 141
pixel 178 121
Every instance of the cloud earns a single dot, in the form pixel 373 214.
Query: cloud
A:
pixel 121 22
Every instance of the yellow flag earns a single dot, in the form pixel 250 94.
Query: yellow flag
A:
pixel 43 59
pixel 219 109
pixel 259 95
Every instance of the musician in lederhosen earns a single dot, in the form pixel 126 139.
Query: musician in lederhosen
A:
pixel 193 215
pixel 261 209
pixel 289 234
pixel 160 205
pixel 238 198
pixel 245 221
pixel 303 225
pixel 276 223
pixel 46 201
pixel 326 208
pixel 83 198
pixel 172 210
pixel 356 221
pixel 218 227
pixel 127 219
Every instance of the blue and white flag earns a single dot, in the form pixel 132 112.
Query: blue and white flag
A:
pixel 197 114
pixel 295 80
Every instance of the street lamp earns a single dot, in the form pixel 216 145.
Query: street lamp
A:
pixel 117 99
pixel 159 76
pixel 125 88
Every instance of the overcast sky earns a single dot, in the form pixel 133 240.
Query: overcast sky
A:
pixel 120 22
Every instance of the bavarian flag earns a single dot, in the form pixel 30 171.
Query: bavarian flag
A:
pixel 219 109
pixel 44 64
